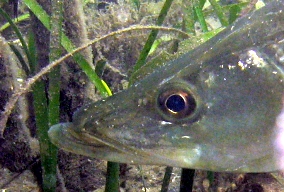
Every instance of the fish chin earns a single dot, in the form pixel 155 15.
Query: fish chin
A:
pixel 184 157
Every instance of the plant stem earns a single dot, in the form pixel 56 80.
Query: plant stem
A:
pixel 186 182
pixel 112 178
pixel 166 180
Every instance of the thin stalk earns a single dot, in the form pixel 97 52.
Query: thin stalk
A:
pixel 112 178
pixel 187 178
pixel 167 179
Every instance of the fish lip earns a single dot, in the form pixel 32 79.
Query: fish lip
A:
pixel 64 137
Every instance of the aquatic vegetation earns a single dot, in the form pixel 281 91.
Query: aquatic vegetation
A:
pixel 177 95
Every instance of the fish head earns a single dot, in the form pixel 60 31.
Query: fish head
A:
pixel 213 108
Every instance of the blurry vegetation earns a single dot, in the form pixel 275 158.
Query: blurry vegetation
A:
pixel 33 45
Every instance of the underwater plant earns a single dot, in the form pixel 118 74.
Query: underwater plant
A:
pixel 76 88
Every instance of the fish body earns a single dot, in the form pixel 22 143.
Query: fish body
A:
pixel 213 108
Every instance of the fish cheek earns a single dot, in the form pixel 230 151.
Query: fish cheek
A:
pixel 242 99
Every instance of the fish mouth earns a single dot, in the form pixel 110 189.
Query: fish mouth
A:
pixel 63 136
pixel 103 147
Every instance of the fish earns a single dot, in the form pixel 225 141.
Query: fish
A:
pixel 213 108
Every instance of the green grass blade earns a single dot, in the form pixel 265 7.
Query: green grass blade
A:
pixel 200 17
pixel 16 20
pixel 112 178
pixel 32 50
pixel 19 55
pixel 234 13
pixel 147 47
pixel 18 33
pixel 68 45
pixel 218 10
pixel 210 177
pixel 100 67
pixel 39 12
pixel 167 179
pixel 49 166
pixel 41 114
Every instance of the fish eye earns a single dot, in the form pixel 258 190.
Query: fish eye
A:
pixel 177 103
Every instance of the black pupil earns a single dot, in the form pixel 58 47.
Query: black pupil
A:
pixel 175 103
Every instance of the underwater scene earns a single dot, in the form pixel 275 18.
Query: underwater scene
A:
pixel 142 95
